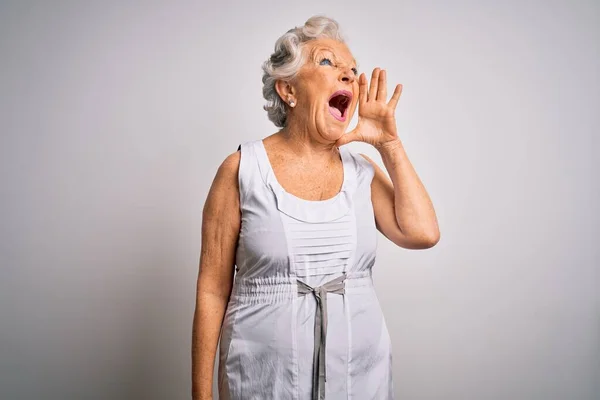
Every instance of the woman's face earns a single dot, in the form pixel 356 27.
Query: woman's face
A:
pixel 326 88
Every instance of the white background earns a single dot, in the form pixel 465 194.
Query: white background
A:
pixel 115 115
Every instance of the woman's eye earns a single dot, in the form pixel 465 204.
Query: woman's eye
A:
pixel 327 60
pixel 355 71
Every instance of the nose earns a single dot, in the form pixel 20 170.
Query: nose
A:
pixel 347 75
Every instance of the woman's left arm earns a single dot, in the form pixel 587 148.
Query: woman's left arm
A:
pixel 403 210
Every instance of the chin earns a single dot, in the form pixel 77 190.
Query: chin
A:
pixel 335 132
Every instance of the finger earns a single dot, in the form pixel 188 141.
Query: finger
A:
pixel 362 89
pixel 373 84
pixel 396 96
pixel 382 90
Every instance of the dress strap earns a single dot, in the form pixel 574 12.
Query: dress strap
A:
pixel 247 170
pixel 264 165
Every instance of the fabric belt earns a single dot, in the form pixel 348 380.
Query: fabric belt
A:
pixel 319 365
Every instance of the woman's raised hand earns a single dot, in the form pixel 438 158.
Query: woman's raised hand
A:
pixel 376 120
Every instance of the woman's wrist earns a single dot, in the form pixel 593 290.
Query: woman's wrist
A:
pixel 389 145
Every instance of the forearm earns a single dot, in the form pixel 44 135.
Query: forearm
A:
pixel 414 210
pixel 208 318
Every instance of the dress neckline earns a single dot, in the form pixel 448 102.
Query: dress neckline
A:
pixel 312 211
pixel 276 183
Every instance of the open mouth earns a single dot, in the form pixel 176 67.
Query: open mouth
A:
pixel 339 103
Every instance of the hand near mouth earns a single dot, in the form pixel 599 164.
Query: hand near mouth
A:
pixel 376 120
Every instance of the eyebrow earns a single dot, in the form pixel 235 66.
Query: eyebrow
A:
pixel 315 50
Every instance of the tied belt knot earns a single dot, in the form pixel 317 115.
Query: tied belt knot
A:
pixel 319 365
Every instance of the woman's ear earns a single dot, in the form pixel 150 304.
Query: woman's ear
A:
pixel 285 90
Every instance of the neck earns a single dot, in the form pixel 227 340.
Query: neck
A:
pixel 307 143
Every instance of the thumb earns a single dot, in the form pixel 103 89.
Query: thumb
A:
pixel 348 137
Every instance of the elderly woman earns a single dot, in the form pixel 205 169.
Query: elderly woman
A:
pixel 298 214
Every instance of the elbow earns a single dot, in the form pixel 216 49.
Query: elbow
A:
pixel 418 241
pixel 427 240
pixel 432 239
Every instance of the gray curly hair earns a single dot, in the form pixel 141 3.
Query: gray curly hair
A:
pixel 286 60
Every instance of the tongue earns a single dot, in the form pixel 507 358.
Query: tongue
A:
pixel 335 111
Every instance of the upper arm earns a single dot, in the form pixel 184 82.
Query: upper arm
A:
pixel 221 221
pixel 384 208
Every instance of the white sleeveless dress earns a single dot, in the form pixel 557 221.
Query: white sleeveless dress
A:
pixel 303 321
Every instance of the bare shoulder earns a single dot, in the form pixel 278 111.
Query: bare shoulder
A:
pixel 223 196
pixel 227 173
pixel 230 166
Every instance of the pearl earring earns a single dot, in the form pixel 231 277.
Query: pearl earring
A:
pixel 292 103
